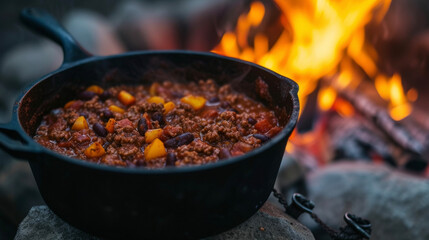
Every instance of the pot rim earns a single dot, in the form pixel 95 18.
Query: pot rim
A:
pixel 287 130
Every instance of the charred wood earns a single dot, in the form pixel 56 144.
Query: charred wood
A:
pixel 356 138
pixel 414 141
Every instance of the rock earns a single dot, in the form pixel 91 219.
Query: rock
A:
pixel 93 32
pixel 7 97
pixel 396 203
pixel 145 26
pixel 268 223
pixel 18 191
pixel 204 22
pixel 42 223
pixel 291 176
pixel 28 62
pixel 192 24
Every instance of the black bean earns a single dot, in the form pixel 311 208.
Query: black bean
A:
pixel 185 138
pixel 106 144
pixel 171 143
pixel 105 95
pixel 177 94
pixel 106 114
pixel 225 105
pixel 99 130
pixel 261 137
pixel 87 95
pixel 142 126
pixel 252 121
pixel 224 153
pixel 85 115
pixel 171 159
pixel 180 140
pixel 141 163
pixel 232 110
pixel 214 99
pixel 157 116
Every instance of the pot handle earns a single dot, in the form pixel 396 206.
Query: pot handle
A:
pixel 13 143
pixel 44 23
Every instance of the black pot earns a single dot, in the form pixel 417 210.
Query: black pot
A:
pixel 186 202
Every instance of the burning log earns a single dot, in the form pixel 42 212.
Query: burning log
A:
pixel 357 138
pixel 411 141
pixel 353 138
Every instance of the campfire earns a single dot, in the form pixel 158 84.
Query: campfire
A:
pixel 359 110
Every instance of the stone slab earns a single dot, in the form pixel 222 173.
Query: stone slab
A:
pixel 395 202
pixel 268 223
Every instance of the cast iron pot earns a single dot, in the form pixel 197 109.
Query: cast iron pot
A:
pixel 113 202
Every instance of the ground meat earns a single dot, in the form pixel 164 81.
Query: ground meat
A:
pixel 80 138
pixel 171 131
pixel 57 131
pixel 227 124
pixel 113 160
pixel 127 151
pixel 149 107
pixel 196 153
pixel 212 137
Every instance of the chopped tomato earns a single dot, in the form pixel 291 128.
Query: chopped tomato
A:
pixel 124 122
pixel 263 126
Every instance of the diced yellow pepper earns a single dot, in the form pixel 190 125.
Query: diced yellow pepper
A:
pixel 153 90
pixel 95 150
pixel 168 107
pixel 80 123
pixel 156 99
pixel 95 89
pixel 196 102
pixel 152 134
pixel 126 98
pixel 115 108
pixel 155 150
pixel 68 104
pixel 110 125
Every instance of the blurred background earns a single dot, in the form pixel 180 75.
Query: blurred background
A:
pixel 361 144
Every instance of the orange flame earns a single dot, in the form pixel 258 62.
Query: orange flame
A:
pixel 319 39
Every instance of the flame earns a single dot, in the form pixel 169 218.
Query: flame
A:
pixel 319 40
pixel 326 98
pixel 391 90
pixel 399 106
pixel 343 107
pixel 412 95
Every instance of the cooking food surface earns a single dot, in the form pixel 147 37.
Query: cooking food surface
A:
pixel 165 124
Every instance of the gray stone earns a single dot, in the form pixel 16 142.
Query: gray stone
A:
pixel 291 172
pixel 192 24
pixel 18 190
pixel 28 62
pixel 7 98
pixel 145 26
pixel 93 32
pixel 42 223
pixel 268 223
pixel 396 203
